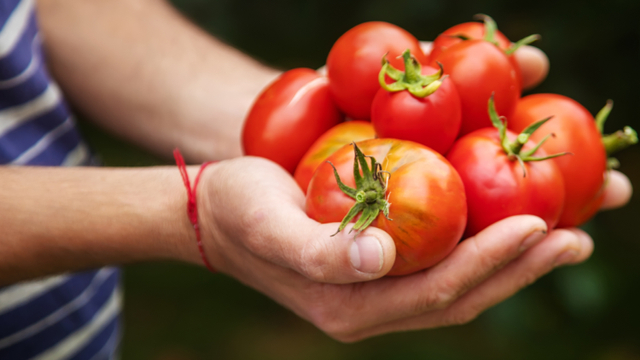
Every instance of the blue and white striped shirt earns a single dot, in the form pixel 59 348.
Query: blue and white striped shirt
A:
pixel 69 316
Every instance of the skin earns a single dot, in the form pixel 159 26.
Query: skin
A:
pixel 87 217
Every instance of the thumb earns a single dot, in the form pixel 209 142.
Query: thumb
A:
pixel 269 221
pixel 346 256
pixel 312 249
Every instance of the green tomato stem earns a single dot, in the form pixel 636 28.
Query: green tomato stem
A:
pixel 369 192
pixel 411 79
pixel 619 140
pixel 513 149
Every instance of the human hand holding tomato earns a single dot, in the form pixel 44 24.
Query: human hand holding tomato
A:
pixel 255 229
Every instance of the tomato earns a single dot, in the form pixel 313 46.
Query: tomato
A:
pixel 335 138
pixel 576 132
pixel 474 31
pixel 288 116
pixel 422 197
pixel 353 63
pixel 498 185
pixel 478 69
pixel 420 108
pixel 469 31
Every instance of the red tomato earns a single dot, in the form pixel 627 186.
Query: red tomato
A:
pixel 335 138
pixel 468 30
pixel 576 132
pixel 479 69
pixel 288 116
pixel 427 208
pixel 473 31
pixel 432 120
pixel 353 63
pixel 496 186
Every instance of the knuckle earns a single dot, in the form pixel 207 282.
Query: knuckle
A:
pixel 461 317
pixel 528 279
pixel 259 234
pixel 435 300
pixel 488 261
pixel 311 263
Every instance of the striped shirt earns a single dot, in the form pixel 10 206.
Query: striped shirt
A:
pixel 69 316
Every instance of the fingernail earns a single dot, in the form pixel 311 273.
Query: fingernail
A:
pixel 566 257
pixel 366 254
pixel 532 239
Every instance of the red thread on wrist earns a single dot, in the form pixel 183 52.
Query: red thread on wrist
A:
pixel 192 208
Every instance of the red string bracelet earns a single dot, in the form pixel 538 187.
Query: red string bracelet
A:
pixel 192 208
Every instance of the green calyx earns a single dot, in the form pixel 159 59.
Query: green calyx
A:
pixel 513 149
pixel 490 28
pixel 369 193
pixel 617 141
pixel 411 79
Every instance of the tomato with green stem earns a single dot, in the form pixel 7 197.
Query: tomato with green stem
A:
pixel 487 30
pixel 576 131
pixel 413 194
pixel 480 67
pixel 421 105
pixel 505 174
pixel 353 63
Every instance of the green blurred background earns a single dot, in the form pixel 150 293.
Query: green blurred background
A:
pixel 588 311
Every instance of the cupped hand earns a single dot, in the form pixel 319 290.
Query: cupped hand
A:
pixel 255 229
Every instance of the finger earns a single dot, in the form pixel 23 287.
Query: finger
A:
pixel 617 192
pixel 560 247
pixel 586 246
pixel 472 261
pixel 426 47
pixel 534 65
pixel 280 231
pixel 322 70
pixel 292 240
pixel 259 209
pixel 315 252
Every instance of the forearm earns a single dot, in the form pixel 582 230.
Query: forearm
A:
pixel 142 71
pixel 56 220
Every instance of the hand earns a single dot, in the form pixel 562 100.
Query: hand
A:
pixel 258 233
pixel 534 63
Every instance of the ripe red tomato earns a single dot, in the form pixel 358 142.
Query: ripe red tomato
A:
pixel 353 63
pixel 288 116
pixel 408 113
pixel 498 185
pixel 576 132
pixel 474 31
pixel 479 68
pixel 335 138
pixel 469 31
pixel 427 208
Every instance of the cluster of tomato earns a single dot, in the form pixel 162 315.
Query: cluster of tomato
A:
pixel 438 146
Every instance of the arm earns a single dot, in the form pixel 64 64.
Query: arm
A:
pixel 91 217
pixel 143 72
pixel 64 219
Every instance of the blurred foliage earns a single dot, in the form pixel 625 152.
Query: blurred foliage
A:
pixel 589 311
